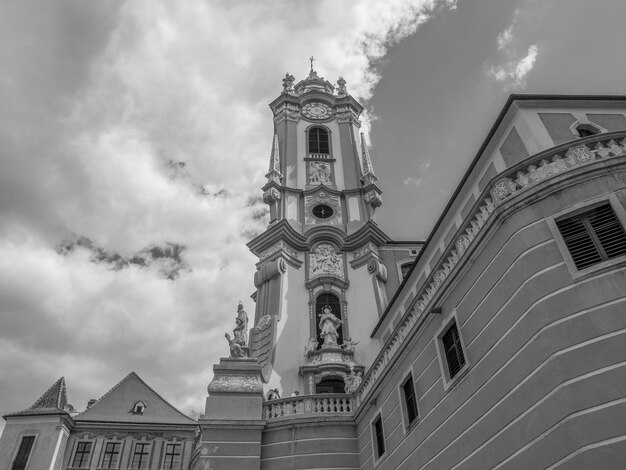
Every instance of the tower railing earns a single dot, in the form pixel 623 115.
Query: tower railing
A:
pixel 327 404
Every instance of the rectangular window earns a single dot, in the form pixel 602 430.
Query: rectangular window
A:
pixel 141 455
pixel 379 437
pixel 172 456
pixel 81 457
pixel 593 236
pixel 453 350
pixel 23 453
pixel 111 455
pixel 410 400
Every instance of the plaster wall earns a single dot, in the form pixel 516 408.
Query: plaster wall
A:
pixel 362 315
pixel 292 332
pixel 46 435
pixel 321 444
pixel 546 368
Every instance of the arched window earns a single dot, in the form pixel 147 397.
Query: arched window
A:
pixel 318 141
pixel 332 302
pixel 333 384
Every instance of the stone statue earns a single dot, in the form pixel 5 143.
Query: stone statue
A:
pixel 241 329
pixel 352 380
pixel 329 324
pixel 349 345
pixel 273 394
pixel 341 90
pixel 235 349
pixel 288 83
pixel 311 347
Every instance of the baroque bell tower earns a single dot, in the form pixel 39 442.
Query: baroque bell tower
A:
pixel 320 277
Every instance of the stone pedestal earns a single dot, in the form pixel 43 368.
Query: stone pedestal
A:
pixel 232 426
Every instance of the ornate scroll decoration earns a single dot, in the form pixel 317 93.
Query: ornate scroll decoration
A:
pixel 319 173
pixel 262 343
pixel 288 112
pixel 324 260
pixel 322 198
pixel 279 246
pixel 235 383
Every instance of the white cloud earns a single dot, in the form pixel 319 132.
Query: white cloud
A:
pixel 514 72
pixel 152 128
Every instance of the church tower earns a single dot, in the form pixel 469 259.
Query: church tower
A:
pixel 320 277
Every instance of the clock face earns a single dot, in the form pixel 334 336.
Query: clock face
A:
pixel 322 211
pixel 317 110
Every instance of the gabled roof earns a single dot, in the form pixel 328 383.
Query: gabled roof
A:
pixel 116 406
pixel 53 401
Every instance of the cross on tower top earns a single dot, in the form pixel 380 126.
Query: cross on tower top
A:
pixel 311 59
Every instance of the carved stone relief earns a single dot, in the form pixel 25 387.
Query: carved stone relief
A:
pixel 319 173
pixel 324 260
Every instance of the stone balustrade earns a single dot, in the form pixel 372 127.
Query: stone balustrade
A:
pixel 308 405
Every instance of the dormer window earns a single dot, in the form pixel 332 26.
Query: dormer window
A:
pixel 139 408
pixel 319 142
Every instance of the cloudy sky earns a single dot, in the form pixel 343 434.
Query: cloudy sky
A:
pixel 134 137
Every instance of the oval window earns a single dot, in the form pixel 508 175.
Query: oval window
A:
pixel 322 211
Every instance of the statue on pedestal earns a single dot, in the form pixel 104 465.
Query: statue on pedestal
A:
pixel 352 380
pixel 329 324
pixel 349 345
pixel 311 347
pixel 238 345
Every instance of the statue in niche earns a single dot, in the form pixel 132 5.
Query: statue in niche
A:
pixel 349 345
pixel 352 380
pixel 319 172
pixel 237 344
pixel 329 324
pixel 311 347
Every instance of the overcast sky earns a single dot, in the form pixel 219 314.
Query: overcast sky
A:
pixel 134 137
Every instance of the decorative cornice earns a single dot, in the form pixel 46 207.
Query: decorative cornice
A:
pixel 370 232
pixel 280 231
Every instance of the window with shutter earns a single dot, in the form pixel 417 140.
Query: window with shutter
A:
pixel 410 400
pixel 379 437
pixel 593 236
pixel 453 350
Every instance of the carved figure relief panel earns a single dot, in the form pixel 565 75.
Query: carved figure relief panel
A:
pixel 325 260
pixel 319 173
pixel 313 205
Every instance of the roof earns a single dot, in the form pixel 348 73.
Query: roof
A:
pixel 117 405
pixel 53 401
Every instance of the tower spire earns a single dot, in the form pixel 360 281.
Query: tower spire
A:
pixel 273 173
pixel 368 170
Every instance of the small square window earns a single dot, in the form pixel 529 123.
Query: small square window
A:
pixel 379 436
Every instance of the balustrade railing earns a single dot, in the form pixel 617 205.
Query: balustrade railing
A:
pixel 324 404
